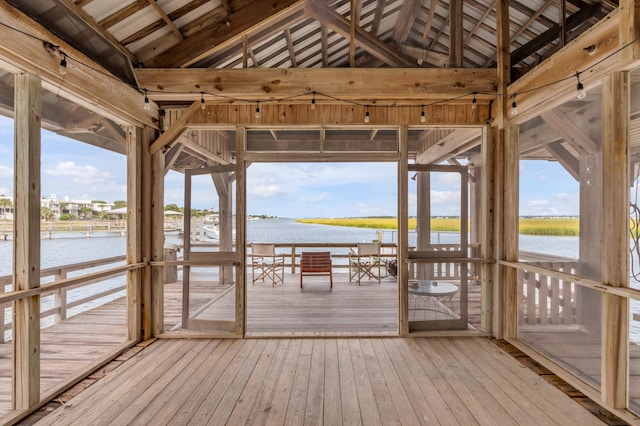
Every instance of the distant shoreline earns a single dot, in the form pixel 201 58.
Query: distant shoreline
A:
pixel 565 227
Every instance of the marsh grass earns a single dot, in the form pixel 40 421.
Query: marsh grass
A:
pixel 528 226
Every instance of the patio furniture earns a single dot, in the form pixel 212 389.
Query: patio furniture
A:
pixel 268 265
pixel 316 263
pixel 364 261
pixel 428 295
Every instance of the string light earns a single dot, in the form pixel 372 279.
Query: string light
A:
pixel 147 104
pixel 423 117
pixel 474 102
pixel 203 104
pixel 313 101
pixel 62 69
pixel 580 88
pixel 257 109
pixel 366 114
pixel 514 106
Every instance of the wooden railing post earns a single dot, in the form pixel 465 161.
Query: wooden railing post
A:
pixel 293 259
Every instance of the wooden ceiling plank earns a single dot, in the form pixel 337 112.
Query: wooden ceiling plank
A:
pixel 365 40
pixel 292 52
pixel 405 20
pixel 166 19
pixel 570 132
pixel 204 43
pixel 123 13
pixel 350 84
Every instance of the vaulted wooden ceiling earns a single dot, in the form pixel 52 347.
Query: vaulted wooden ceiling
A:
pixel 122 35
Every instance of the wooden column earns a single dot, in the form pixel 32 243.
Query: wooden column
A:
pixel 241 231
pixel 157 243
pixel 500 118
pixel 510 231
pixel 26 242
pixel 134 231
pixel 403 232
pixel 423 227
pixel 487 238
pixel 475 216
pixel 615 241
pixel 152 243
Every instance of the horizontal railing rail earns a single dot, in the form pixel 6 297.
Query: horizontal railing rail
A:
pixel 51 277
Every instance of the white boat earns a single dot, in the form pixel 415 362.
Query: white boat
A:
pixel 211 231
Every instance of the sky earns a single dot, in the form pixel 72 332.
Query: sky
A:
pixel 295 190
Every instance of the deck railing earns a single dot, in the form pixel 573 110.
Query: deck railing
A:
pixel 547 300
pixel 61 306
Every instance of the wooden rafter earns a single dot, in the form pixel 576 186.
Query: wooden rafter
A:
pixel 571 133
pixel 423 55
pixel 217 37
pixel 447 146
pixel 325 47
pixel 166 19
pixel 375 25
pixel 365 40
pixel 427 26
pixel 406 17
pixel 456 32
pixel 479 22
pixel 292 52
pixel 565 158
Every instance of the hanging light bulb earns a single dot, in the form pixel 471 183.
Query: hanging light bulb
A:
pixel 203 104
pixel 474 102
pixel 313 101
pixel 423 117
pixel 257 110
pixel 514 106
pixel 62 69
pixel 147 104
pixel 580 88
pixel 366 115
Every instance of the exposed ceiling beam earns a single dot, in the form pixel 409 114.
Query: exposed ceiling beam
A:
pixel 195 147
pixel 171 157
pixel 447 146
pixel 166 19
pixel 409 84
pixel 570 132
pixel 86 85
pixel 364 39
pixel 552 33
pixel 325 46
pixel 377 17
pixel 564 157
pixel 209 40
pixel 423 55
pixel 175 130
pixel 292 52
pixel 480 21
pixel 406 17
pixel 456 31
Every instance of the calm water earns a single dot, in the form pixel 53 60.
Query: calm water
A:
pixel 74 247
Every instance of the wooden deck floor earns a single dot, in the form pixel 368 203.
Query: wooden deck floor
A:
pixel 329 381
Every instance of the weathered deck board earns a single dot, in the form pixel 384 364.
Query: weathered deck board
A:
pixel 275 381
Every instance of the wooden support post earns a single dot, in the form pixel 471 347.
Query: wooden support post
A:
pixel 500 120
pixel 423 227
pixel 26 241
pixel 403 232
pixel 186 270
pixel 157 243
pixel 134 231
pixel 241 232
pixel 615 242
pixel 487 240
pixel 475 215
pixel 510 231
